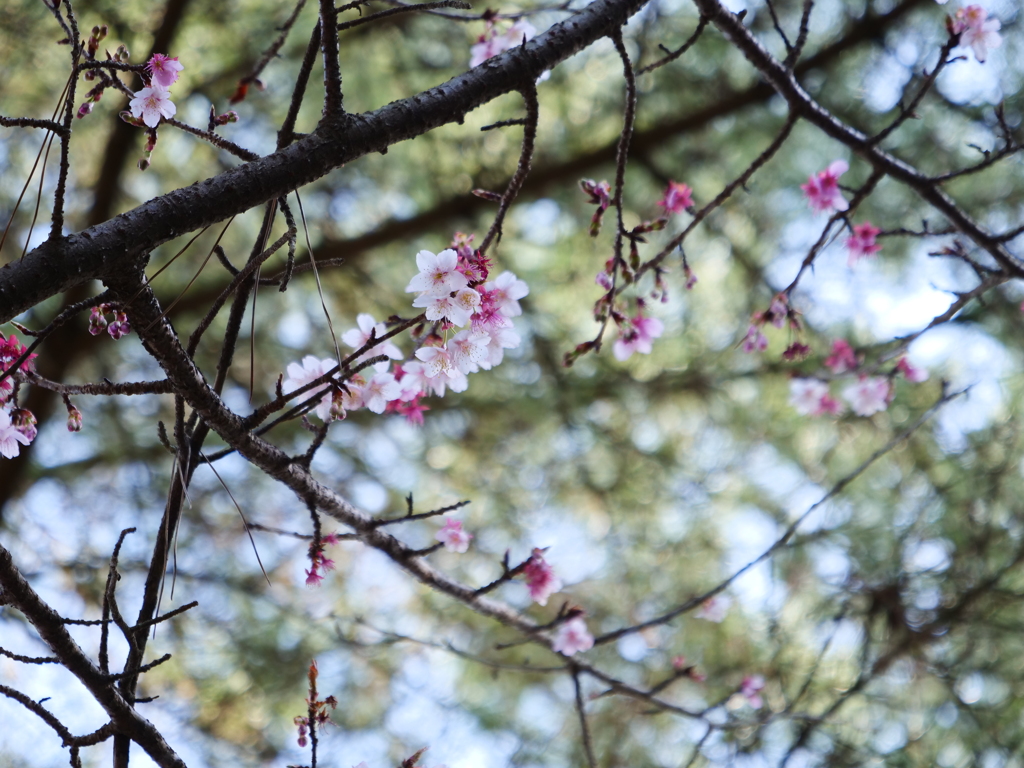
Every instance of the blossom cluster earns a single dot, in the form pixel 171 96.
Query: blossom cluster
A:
pixel 17 425
pixel 117 327
pixel 452 288
pixel 866 396
pixel 977 31
pixel 637 332
pixel 318 713
pixel 319 562
pixel 153 102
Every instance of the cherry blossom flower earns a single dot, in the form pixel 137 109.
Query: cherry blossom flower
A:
pixel 778 311
pixel 862 242
pixel 505 292
pixel 10 350
pixel 486 48
pixel 806 395
pixel 572 637
pixel 842 359
pixel 151 104
pixel 750 689
pixel 830 405
pixel 796 351
pixel 691 277
pixel 913 373
pixel 822 189
pixel 379 390
pixel 10 436
pixel 469 350
pixel 119 326
pixel 977 30
pixel 439 371
pixel 97 322
pixel 438 275
pixel 25 422
pixel 755 341
pixel 500 340
pixel 637 335
pixel 412 409
pixel 869 395
pixel 300 375
pixel 540 578
pixel 74 420
pixel 453 537
pixel 599 193
pixel 714 609
pixel 457 309
pixel 678 197
pixel 357 337
pixel 164 69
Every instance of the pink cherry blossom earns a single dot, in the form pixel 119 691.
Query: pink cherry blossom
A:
pixel 379 390
pixel 438 275
pixel 152 104
pixel 778 311
pixel 678 197
pixel 805 395
pixel 25 422
pixel 913 373
pixel 842 359
pixel 869 395
pixel 164 70
pixel 97 321
pixel 540 578
pixel 637 335
pixel 301 375
pixel 691 277
pixel 469 350
pixel 74 420
pixel 713 609
pixel 357 337
pixel 497 44
pixel 314 577
pixel 485 48
pixel 977 31
pixel 830 406
pixel 750 689
pixel 862 242
pixel 438 371
pixel 500 339
pixel 453 537
pixel 822 189
pixel 505 292
pixel 572 637
pixel 755 341
pixel 412 409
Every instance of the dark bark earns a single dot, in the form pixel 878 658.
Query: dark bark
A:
pixel 123 243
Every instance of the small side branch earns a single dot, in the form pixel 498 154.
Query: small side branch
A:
pixel 588 744
pixel 525 158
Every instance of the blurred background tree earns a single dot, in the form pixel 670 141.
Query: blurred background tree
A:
pixel 885 627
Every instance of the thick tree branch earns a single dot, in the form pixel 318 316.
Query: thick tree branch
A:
pixel 122 244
